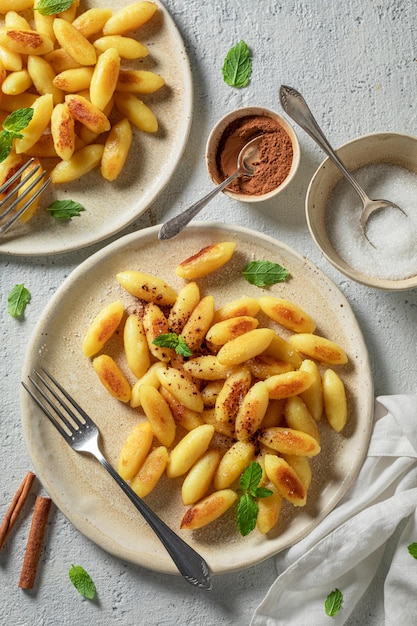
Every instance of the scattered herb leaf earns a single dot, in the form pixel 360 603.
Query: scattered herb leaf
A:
pixel 251 477
pixel 6 144
pixel 412 548
pixel 52 7
pixel 333 602
pixel 172 340
pixel 247 510
pixel 17 300
pixel 12 125
pixel 65 209
pixel 237 66
pixel 82 581
pixel 18 120
pixel 264 273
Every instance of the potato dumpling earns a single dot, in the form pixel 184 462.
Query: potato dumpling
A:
pixel 205 261
pixel 102 328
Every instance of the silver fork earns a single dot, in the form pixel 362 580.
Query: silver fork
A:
pixel 84 437
pixel 7 204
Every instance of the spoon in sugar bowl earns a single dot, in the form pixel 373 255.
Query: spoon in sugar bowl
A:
pixel 246 166
pixel 296 107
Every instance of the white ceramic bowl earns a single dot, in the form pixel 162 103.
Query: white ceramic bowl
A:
pixel 215 138
pixel 390 148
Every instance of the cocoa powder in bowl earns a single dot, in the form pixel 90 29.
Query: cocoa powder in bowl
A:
pixel 275 154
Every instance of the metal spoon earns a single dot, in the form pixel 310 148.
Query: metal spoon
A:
pixel 246 161
pixel 296 107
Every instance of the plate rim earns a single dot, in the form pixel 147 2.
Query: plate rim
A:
pixel 118 245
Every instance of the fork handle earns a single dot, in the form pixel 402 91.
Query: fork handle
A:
pixel 190 564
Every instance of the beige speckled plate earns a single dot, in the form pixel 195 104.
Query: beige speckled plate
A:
pixel 83 490
pixel 111 206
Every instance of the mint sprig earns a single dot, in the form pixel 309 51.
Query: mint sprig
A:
pixel 247 510
pixel 264 273
pixel 52 7
pixel 12 125
pixel 412 549
pixel 65 209
pixel 237 66
pixel 172 340
pixel 17 300
pixel 82 581
pixel 333 602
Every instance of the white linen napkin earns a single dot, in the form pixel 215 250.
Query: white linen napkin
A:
pixel 345 550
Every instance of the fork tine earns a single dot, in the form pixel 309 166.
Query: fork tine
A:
pixel 75 404
pixel 61 402
pixel 17 215
pixel 16 175
pixel 45 409
pixel 11 206
pixel 20 184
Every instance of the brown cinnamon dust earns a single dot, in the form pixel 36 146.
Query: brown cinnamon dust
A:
pixel 275 154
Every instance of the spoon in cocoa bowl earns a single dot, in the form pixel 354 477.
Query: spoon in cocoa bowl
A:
pixel 246 166
pixel 296 107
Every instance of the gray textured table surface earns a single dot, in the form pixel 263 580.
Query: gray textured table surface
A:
pixel 355 63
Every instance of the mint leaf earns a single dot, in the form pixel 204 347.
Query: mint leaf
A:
pixel 172 340
pixel 65 209
pixel 12 125
pixel 251 477
pixel 247 509
pixel 262 492
pixel 237 66
pixel 18 120
pixel 52 7
pixel 333 602
pixel 412 548
pixel 264 273
pixel 17 300
pixel 247 512
pixel 6 144
pixel 82 581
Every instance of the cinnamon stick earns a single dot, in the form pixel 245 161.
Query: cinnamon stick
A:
pixel 15 507
pixel 34 543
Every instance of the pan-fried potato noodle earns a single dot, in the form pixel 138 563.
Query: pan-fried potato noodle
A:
pixel 254 388
pixel 78 71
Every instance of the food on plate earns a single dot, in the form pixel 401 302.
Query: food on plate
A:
pixel 205 261
pixel 233 462
pixel 218 392
pixel 334 400
pixel 158 413
pixel 150 471
pixel 319 348
pixel 135 450
pixel 285 479
pixel 76 73
pixel 287 314
pixel 199 478
pixel 102 327
pixel 189 450
pixel 136 346
pixel 112 377
pixel 208 509
pixel 146 287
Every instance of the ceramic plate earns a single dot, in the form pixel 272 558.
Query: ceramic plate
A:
pixel 82 489
pixel 111 206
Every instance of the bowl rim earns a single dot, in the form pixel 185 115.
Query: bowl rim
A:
pixel 334 258
pixel 217 131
